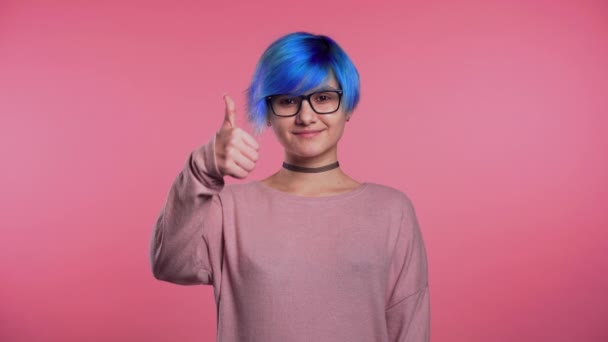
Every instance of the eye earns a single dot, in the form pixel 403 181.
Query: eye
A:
pixel 324 97
pixel 285 100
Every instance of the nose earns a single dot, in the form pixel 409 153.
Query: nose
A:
pixel 306 113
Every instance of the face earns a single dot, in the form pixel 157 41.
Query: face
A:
pixel 322 144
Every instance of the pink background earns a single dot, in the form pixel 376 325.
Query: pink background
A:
pixel 491 116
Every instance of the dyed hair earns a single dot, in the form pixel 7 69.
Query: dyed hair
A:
pixel 294 64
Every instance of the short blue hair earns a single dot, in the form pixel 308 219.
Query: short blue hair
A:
pixel 296 63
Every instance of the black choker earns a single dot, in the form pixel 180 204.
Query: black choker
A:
pixel 310 169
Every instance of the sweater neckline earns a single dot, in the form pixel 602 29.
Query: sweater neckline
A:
pixel 302 198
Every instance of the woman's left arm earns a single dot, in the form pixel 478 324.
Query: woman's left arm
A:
pixel 408 307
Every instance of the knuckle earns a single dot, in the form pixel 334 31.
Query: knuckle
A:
pixel 231 141
pixel 230 152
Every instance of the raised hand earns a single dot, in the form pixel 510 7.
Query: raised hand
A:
pixel 236 150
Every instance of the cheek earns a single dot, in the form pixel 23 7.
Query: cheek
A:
pixel 282 133
pixel 338 127
pixel 339 131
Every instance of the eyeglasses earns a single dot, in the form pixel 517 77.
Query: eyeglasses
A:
pixel 323 102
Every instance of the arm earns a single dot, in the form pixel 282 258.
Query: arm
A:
pixel 408 307
pixel 180 251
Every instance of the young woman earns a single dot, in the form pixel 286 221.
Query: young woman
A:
pixel 308 253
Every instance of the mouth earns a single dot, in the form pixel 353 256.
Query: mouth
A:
pixel 308 134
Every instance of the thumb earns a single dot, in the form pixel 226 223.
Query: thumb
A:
pixel 230 114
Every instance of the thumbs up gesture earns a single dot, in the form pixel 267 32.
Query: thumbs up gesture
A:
pixel 236 150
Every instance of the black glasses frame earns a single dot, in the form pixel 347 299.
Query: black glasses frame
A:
pixel 307 98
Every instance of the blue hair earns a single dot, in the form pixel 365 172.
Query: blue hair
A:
pixel 294 64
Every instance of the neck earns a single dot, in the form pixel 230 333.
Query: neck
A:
pixel 302 180
pixel 311 180
pixel 305 169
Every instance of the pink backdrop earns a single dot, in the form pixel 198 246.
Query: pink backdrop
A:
pixel 491 116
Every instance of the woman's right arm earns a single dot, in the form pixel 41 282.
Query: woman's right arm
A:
pixel 185 247
pixel 180 251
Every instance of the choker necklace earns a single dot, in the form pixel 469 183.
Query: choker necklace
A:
pixel 310 169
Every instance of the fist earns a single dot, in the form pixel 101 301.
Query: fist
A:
pixel 236 151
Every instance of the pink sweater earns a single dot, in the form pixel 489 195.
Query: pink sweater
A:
pixel 287 268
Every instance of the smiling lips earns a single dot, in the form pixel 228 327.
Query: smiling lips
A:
pixel 310 133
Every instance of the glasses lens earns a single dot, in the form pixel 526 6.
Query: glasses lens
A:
pixel 325 101
pixel 285 104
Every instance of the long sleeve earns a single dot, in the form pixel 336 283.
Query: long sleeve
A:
pixel 408 307
pixel 181 248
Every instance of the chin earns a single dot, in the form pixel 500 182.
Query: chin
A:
pixel 309 151
pixel 306 152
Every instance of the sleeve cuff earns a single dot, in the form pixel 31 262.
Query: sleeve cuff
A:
pixel 205 159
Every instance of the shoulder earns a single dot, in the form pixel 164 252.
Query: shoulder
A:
pixel 389 193
pixel 243 190
pixel 391 198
